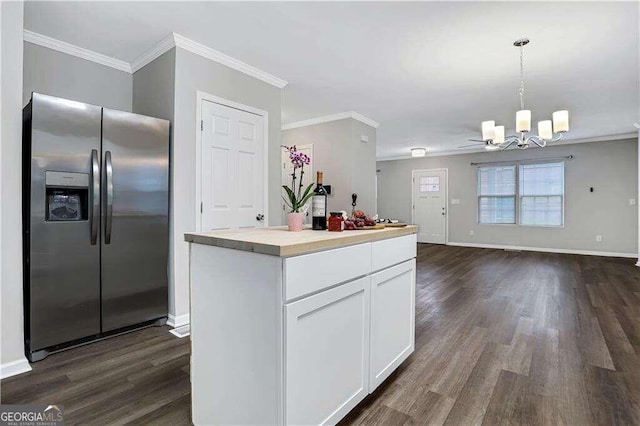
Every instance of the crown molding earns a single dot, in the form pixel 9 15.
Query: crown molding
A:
pixel 79 52
pixel 221 58
pixel 481 149
pixel 155 52
pixel 366 120
pixel 333 117
pixel 166 44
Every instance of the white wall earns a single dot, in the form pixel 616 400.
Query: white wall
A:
pixel 348 164
pixel 611 168
pixel 55 73
pixel 11 313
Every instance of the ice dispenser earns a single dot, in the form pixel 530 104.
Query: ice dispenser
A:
pixel 67 196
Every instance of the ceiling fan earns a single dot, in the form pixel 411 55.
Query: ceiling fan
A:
pixel 487 145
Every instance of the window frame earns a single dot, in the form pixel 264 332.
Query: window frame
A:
pixel 518 196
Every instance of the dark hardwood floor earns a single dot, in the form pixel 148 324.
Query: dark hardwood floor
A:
pixel 501 338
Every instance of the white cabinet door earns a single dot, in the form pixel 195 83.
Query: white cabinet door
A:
pixel 327 353
pixel 392 319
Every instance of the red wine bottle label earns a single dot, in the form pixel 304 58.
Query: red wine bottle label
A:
pixel 318 206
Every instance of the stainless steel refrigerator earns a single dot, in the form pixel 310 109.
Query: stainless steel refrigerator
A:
pixel 95 223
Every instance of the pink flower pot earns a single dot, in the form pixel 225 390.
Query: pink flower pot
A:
pixel 294 220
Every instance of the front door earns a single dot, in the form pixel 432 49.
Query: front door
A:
pixel 232 161
pixel 430 204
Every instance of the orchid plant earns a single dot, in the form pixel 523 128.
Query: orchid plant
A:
pixel 296 197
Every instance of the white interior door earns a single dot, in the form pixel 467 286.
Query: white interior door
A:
pixel 232 168
pixel 287 168
pixel 430 205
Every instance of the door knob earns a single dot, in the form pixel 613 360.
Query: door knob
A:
pixel 260 217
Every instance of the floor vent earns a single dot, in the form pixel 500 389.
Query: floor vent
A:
pixel 514 250
pixel 181 332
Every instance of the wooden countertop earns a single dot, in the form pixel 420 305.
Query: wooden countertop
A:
pixel 278 241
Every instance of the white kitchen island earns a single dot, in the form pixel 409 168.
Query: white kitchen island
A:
pixel 297 327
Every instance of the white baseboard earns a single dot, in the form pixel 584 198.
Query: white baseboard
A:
pixel 13 368
pixel 546 250
pixel 178 321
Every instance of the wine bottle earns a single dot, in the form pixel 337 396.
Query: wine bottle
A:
pixel 319 206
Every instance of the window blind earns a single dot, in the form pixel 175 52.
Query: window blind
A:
pixel 542 194
pixel 497 194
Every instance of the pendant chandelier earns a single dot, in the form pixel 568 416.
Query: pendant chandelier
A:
pixel 493 136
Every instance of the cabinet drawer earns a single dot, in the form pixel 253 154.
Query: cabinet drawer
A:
pixel 393 251
pixel 313 272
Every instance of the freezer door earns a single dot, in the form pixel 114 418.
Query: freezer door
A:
pixel 135 229
pixel 61 190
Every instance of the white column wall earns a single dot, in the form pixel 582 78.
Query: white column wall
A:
pixel 12 357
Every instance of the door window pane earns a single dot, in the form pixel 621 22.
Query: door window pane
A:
pixel 429 183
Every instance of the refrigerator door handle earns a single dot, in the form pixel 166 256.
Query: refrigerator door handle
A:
pixel 95 196
pixel 109 207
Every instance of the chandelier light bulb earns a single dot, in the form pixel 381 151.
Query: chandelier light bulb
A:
pixel 499 135
pixel 418 152
pixel 488 130
pixel 523 120
pixel 561 121
pixel 544 130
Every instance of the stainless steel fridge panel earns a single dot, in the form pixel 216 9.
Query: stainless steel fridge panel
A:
pixel 63 288
pixel 135 229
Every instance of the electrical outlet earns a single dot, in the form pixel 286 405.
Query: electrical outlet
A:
pixel 599 238
pixel 471 232
pixel 632 201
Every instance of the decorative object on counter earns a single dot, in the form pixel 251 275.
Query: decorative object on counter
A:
pixel 295 221
pixel 354 198
pixel 360 220
pixel 335 222
pixel 296 197
pixel 319 206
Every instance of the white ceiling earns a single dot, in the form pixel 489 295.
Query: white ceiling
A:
pixel 429 73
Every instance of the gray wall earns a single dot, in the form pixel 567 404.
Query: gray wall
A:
pixel 611 168
pixel 11 15
pixel 348 165
pixel 195 73
pixel 154 87
pixel 154 95
pixel 58 74
pixel 363 166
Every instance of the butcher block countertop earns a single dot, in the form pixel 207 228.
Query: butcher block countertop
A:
pixel 278 241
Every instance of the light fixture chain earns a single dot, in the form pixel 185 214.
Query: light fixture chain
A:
pixel 521 91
